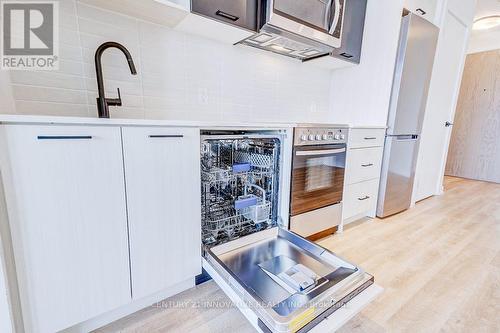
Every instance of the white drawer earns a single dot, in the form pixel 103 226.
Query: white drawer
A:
pixel 366 137
pixel 360 198
pixel 363 164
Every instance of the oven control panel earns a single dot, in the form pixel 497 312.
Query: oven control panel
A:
pixel 308 136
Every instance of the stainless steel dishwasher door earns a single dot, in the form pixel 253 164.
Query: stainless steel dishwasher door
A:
pixel 253 264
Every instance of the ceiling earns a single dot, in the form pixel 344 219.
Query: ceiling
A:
pixel 487 8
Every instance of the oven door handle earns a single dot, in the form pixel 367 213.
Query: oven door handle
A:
pixel 319 152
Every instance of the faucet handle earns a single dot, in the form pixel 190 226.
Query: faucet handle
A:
pixel 115 101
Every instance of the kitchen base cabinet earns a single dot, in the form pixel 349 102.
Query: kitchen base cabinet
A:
pixel 163 192
pixel 105 220
pixel 362 176
pixel 66 204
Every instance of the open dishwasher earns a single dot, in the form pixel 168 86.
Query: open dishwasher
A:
pixel 279 280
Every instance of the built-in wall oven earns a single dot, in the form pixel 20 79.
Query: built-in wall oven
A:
pixel 318 168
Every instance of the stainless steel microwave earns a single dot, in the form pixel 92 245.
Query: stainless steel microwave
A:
pixel 303 29
pixel 319 20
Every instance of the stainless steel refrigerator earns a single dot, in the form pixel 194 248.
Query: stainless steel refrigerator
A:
pixel 412 75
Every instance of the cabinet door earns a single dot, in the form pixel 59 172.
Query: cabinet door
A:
pixel 352 31
pixel 163 195
pixel 66 202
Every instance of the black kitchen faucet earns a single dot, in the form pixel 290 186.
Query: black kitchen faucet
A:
pixel 103 103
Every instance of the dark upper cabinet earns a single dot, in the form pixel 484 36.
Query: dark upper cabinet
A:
pixel 242 13
pixel 352 33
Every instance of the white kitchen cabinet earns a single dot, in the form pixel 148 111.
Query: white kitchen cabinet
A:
pixel 163 192
pixel 366 137
pixel 66 203
pixel 360 198
pixel 426 8
pixel 364 164
pixel 362 175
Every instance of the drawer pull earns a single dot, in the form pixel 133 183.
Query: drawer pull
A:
pixel 166 136
pixel 367 165
pixel 228 16
pixel 64 137
pixel 370 138
pixel 363 199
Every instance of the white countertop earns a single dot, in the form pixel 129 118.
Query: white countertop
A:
pixel 28 119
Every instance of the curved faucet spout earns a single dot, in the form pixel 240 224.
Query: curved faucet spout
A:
pixel 103 103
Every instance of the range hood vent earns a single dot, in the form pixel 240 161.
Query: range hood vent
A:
pixel 288 44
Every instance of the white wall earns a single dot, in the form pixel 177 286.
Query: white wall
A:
pixel 5 321
pixel 360 95
pixel 180 76
pixel 188 77
pixel 482 41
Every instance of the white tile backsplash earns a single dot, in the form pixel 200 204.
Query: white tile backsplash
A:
pixel 180 76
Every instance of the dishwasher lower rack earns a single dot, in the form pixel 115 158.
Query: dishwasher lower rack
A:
pixel 254 266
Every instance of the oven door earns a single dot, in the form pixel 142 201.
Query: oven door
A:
pixel 320 20
pixel 317 177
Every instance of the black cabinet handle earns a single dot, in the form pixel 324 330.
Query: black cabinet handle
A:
pixel 363 199
pixel 370 138
pixel 64 137
pixel 166 136
pixel 346 55
pixel 227 16
pixel 367 165
pixel 448 124
pixel 421 11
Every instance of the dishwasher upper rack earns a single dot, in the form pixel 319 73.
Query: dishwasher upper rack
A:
pixel 223 181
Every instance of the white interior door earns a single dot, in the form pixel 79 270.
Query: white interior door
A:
pixel 162 171
pixel 66 203
pixel 443 94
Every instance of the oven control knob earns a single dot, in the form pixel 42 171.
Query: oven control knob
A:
pixel 337 136
pixel 303 137
pixel 318 137
pixel 325 137
pixel 311 137
pixel 342 137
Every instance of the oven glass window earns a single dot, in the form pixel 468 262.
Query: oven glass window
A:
pixel 319 174
pixel 317 179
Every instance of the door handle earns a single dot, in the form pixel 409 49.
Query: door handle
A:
pixel 370 138
pixel 367 165
pixel 363 199
pixel 448 124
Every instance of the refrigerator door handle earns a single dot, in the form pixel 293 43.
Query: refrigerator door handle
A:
pixel 406 137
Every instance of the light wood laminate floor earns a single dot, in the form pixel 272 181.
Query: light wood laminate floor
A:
pixel 438 262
